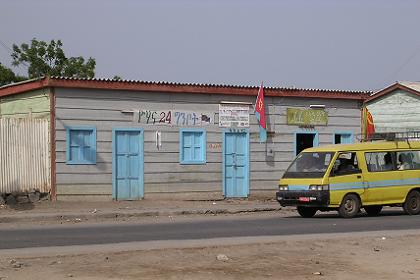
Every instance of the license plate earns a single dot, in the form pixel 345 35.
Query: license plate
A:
pixel 304 199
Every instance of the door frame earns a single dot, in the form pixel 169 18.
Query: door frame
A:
pixel 247 171
pixel 114 162
pixel 315 142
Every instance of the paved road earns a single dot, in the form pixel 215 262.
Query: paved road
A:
pixel 252 226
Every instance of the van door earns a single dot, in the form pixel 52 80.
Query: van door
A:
pixel 346 177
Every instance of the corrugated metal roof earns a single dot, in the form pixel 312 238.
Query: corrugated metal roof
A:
pixel 209 85
pixel 176 87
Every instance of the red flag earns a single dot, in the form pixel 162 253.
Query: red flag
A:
pixel 369 125
pixel 260 107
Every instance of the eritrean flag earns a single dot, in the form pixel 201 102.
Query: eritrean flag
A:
pixel 260 114
pixel 369 126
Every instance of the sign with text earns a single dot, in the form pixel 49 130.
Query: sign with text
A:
pixel 306 117
pixel 233 115
pixel 175 118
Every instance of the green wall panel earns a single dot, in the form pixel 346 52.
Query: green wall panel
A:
pixel 36 103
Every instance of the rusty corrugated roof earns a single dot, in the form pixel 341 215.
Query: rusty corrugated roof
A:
pixel 209 85
pixel 103 83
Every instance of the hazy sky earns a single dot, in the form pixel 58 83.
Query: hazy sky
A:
pixel 357 44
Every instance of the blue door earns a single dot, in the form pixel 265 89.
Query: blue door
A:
pixel 128 164
pixel 236 164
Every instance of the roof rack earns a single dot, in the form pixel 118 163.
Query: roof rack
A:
pixel 396 136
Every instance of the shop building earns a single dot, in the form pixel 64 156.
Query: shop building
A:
pixel 128 140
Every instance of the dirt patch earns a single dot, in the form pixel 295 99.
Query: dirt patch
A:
pixel 394 257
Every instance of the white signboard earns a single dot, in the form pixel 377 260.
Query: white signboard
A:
pixel 233 115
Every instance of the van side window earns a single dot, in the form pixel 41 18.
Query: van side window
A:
pixel 380 161
pixel 408 160
pixel 346 163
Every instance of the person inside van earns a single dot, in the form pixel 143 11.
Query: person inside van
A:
pixel 388 163
pixel 346 166
pixel 402 158
pixel 406 161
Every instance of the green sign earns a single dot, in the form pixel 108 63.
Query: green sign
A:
pixel 306 117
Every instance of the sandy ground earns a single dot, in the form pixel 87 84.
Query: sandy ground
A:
pixel 360 257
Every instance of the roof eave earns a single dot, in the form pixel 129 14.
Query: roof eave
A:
pixel 24 86
pixel 176 88
pixel 390 89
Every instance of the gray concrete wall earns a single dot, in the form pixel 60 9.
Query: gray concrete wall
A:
pixel 163 172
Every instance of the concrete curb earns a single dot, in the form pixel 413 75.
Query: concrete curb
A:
pixel 79 217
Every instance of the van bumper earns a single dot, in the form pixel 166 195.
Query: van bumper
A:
pixel 303 198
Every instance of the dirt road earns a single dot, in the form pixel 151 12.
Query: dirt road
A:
pixel 338 258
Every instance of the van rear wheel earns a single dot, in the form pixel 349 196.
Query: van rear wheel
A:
pixel 350 206
pixel 306 212
pixel 411 205
pixel 373 210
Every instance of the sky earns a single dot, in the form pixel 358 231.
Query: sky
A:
pixel 325 44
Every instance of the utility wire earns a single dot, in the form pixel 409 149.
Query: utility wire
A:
pixel 11 51
pixel 5 46
pixel 408 60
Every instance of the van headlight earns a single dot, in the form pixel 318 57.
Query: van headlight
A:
pixel 319 187
pixel 283 187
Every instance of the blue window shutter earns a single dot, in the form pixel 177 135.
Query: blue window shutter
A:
pixel 81 145
pixel 93 147
pixel 198 146
pixel 192 146
pixel 75 145
pixel 188 139
pixel 87 152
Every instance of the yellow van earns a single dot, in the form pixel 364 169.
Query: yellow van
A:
pixel 348 177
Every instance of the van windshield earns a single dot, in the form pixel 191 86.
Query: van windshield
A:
pixel 309 165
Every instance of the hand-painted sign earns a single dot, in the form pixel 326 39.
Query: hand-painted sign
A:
pixel 177 118
pixel 192 118
pixel 214 146
pixel 304 117
pixel 155 117
pixel 233 115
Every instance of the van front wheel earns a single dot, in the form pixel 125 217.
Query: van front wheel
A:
pixel 412 203
pixel 350 206
pixel 306 212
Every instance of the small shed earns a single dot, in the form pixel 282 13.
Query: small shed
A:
pixel 396 108
pixel 128 140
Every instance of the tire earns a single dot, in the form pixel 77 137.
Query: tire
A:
pixel 350 206
pixel 306 212
pixel 373 210
pixel 411 205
